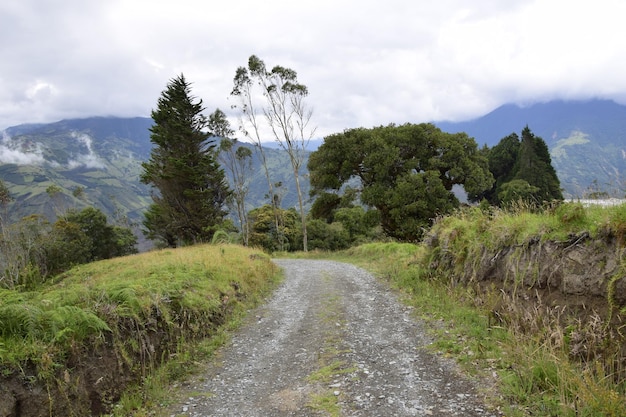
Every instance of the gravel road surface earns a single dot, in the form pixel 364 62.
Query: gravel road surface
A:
pixel 332 340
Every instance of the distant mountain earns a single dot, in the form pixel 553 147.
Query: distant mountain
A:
pixel 93 162
pixel 97 162
pixel 587 140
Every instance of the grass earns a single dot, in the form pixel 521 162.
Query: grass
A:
pixel 330 364
pixel 325 402
pixel 159 311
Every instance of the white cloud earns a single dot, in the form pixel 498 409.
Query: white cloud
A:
pixel 13 152
pixel 366 63
pixel 87 158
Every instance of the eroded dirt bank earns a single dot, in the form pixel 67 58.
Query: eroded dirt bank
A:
pixel 331 340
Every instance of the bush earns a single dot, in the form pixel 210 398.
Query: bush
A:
pixel 34 249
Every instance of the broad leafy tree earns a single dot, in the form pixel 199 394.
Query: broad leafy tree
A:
pixel 190 188
pixel 406 172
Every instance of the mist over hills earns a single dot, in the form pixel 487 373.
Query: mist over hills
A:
pixel 97 161
pixel 94 162
pixel 101 158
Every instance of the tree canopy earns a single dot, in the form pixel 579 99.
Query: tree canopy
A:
pixel 406 172
pixel 191 190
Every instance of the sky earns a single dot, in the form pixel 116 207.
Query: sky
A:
pixel 365 63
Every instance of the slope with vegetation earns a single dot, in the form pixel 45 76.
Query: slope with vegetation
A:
pixel 71 347
pixel 34 250
pixel 92 162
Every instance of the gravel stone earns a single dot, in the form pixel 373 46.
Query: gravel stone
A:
pixel 330 330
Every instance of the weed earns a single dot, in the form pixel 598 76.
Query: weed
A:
pixel 326 402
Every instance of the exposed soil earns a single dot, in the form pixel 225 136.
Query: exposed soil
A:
pixel 331 341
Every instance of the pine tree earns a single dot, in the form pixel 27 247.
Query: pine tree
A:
pixel 534 166
pixel 190 188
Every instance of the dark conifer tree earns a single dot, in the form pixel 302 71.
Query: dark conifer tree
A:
pixel 534 166
pixel 191 191
pixel 524 165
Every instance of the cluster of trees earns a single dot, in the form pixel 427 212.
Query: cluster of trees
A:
pixel 190 190
pixel 35 249
pixel 386 181
pixel 350 225
pixel 407 173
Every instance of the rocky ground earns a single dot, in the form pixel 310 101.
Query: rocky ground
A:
pixel 331 341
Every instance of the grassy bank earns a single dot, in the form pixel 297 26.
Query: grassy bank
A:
pixel 549 360
pixel 101 328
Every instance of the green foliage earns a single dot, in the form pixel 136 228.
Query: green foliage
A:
pixel 337 223
pixel 58 324
pixel 327 237
pixel 183 168
pixel 67 245
pixel 264 234
pixel 33 250
pixel 516 190
pixel 523 171
pixel 358 222
pixel 84 236
pixel 406 172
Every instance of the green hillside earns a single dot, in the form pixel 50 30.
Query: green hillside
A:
pixel 97 162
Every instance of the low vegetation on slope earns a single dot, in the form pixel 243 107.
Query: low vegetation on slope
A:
pixel 536 298
pixel 74 345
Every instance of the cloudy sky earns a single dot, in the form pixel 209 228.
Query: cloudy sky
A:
pixel 366 63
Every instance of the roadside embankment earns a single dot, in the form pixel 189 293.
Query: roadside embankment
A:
pixel 72 347
pixel 555 279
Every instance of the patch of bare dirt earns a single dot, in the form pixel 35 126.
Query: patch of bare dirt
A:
pixel 331 340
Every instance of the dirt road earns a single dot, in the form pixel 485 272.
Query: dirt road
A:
pixel 331 341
